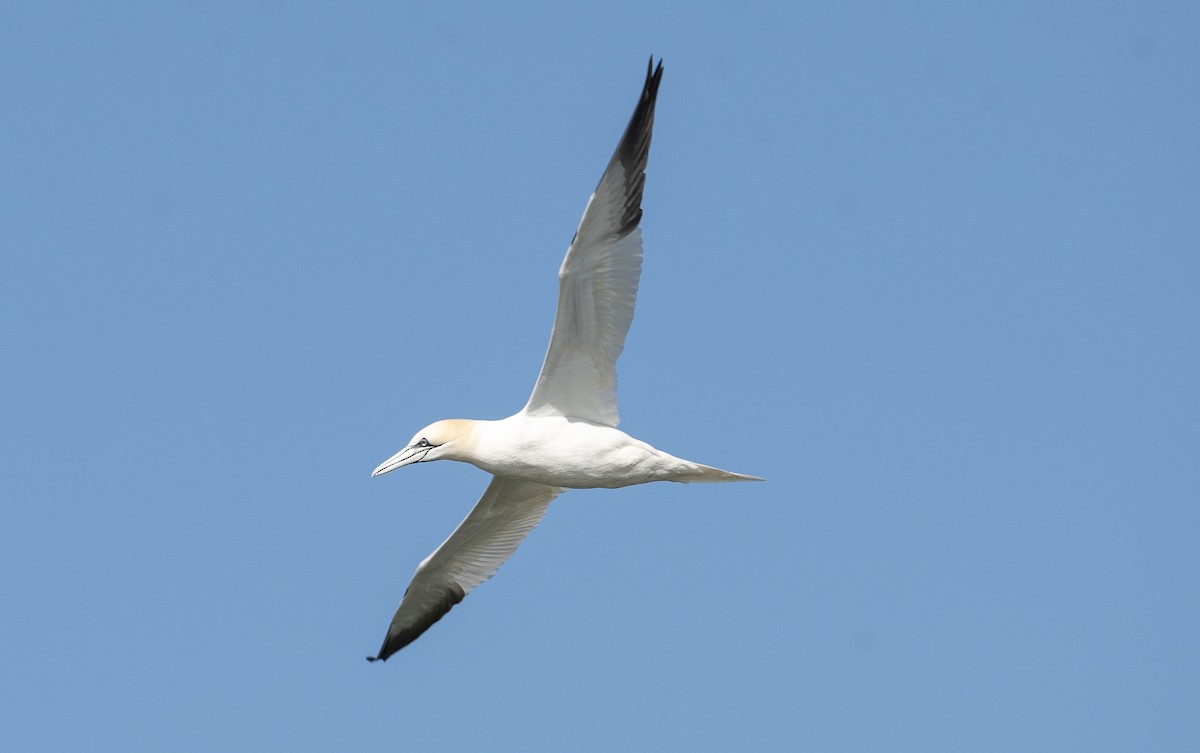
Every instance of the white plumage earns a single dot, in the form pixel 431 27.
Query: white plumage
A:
pixel 566 436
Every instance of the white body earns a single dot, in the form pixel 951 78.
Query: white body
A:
pixel 573 454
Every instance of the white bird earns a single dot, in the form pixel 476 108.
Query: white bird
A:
pixel 566 436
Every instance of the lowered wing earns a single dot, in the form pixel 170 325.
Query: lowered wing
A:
pixel 487 537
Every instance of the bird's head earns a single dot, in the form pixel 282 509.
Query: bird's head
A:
pixel 438 441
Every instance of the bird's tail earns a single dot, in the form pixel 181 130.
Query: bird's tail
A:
pixel 705 474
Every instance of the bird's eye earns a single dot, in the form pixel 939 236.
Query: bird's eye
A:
pixel 423 443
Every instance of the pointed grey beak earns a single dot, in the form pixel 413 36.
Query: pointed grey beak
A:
pixel 407 456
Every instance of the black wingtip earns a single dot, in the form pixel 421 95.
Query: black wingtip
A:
pixel 400 636
pixel 634 149
pixel 653 77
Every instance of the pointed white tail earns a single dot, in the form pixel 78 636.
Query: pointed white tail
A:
pixel 705 474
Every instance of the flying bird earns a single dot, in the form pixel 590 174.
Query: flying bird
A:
pixel 566 437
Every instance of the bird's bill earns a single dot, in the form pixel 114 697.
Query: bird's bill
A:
pixel 407 456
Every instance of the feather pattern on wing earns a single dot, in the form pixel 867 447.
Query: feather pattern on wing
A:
pixel 487 537
pixel 598 283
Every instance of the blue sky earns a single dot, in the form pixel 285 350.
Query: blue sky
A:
pixel 931 268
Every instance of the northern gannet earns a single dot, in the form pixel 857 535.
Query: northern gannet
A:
pixel 566 436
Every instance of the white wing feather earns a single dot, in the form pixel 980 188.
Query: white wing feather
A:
pixel 487 537
pixel 598 284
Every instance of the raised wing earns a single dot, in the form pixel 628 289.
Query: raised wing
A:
pixel 598 283
pixel 487 537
